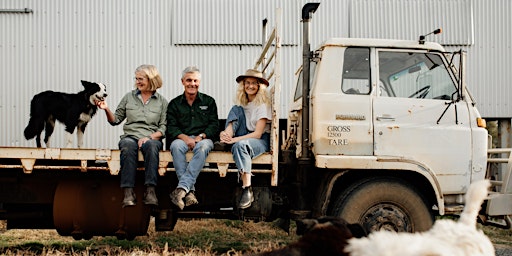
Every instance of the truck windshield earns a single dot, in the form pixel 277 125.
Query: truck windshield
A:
pixel 414 75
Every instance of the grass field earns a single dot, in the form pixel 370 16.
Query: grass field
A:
pixel 190 237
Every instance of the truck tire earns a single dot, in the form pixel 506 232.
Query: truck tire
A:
pixel 384 204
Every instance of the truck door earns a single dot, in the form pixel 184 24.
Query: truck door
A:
pixel 341 112
pixel 414 90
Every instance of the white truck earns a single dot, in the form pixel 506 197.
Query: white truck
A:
pixel 381 132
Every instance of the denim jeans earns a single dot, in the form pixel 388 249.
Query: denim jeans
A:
pixel 188 172
pixel 245 150
pixel 236 117
pixel 129 153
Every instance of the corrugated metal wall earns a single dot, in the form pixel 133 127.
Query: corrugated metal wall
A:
pixel 229 22
pixel 408 19
pixel 490 58
pixel 64 41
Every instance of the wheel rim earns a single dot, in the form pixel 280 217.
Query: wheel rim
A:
pixel 386 217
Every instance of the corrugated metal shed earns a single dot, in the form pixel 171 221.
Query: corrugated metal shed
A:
pixel 62 42
pixel 407 19
pixel 489 59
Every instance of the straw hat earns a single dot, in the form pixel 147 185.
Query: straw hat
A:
pixel 254 74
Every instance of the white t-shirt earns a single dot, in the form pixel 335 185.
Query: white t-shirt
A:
pixel 254 112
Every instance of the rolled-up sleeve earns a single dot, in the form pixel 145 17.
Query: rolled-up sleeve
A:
pixel 120 113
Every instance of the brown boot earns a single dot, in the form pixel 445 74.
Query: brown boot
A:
pixel 177 197
pixel 129 197
pixel 150 196
pixel 190 199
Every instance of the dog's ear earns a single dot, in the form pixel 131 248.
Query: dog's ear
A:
pixel 357 230
pixel 86 84
pixel 305 225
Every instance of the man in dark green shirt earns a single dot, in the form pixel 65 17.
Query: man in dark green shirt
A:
pixel 192 121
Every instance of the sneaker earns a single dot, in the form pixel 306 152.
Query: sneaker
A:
pixel 246 199
pixel 150 196
pixel 129 197
pixel 190 199
pixel 177 197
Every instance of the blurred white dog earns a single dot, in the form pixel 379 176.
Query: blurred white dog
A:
pixel 446 237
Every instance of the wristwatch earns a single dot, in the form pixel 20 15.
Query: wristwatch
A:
pixel 202 135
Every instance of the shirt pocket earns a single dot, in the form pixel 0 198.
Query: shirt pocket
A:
pixel 204 114
pixel 152 114
pixel 134 113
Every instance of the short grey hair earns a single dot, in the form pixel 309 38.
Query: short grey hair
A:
pixel 190 69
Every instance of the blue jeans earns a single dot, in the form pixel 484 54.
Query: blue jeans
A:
pixel 188 172
pixel 129 153
pixel 245 150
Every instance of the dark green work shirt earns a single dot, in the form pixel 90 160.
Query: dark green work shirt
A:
pixel 199 118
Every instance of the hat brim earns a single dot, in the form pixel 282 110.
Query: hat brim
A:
pixel 262 80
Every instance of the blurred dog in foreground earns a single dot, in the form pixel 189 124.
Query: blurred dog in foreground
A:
pixel 445 238
pixel 323 236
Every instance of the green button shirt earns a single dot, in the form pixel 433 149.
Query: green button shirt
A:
pixel 192 120
pixel 141 119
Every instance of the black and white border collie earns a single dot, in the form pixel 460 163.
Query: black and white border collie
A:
pixel 72 110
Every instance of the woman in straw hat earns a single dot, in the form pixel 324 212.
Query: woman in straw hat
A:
pixel 248 128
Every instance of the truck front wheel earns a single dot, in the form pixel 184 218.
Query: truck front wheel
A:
pixel 384 204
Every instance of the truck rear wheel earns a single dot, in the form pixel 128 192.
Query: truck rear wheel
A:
pixel 384 204
pixel 87 207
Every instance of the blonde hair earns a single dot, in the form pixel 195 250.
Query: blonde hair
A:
pixel 261 95
pixel 155 81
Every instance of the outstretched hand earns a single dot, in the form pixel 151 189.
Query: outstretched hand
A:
pixel 101 104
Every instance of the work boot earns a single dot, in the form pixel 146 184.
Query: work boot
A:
pixel 129 197
pixel 190 199
pixel 177 197
pixel 150 196
pixel 246 199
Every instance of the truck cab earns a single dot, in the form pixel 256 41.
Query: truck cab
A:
pixel 390 111
pixel 395 101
